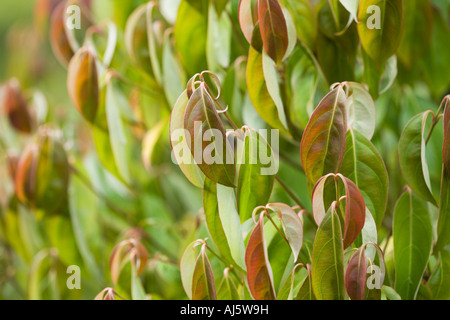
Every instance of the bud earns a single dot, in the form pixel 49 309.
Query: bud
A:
pixel 82 83
pixel 13 161
pixel 15 107
pixel 58 36
pixel 43 10
pixel 42 175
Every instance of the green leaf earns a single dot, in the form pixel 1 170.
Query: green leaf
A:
pixel 213 219
pixel 258 90
pixel 246 14
pixel 443 236
pixel 306 291
pixel 227 289
pixel 418 26
pixel 137 290
pixel 390 293
pixel 259 273
pixel 412 156
pixel 180 149
pixel 255 182
pixel 446 143
pixel 201 120
pixel 328 259
pixel 292 226
pixel 117 136
pixel 203 287
pixel 229 218
pixel 305 20
pixel 380 27
pixel 363 164
pixel 273 29
pixel 439 281
pixel 323 142
pixel 190 37
pixel 218 44
pixel 187 265
pixel 361 112
pixel 412 234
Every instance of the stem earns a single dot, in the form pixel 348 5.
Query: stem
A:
pixel 226 262
pixel 276 227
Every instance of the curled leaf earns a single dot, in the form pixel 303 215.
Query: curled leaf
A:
pixel 203 278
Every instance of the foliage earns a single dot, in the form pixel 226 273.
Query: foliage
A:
pixel 102 150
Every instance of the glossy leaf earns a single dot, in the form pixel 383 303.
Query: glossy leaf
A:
pixel 201 113
pixel 180 148
pixel 259 273
pixel 187 265
pixel 305 20
pixel 355 208
pixel 363 164
pixel 258 92
pixel 227 289
pixel 361 112
pixel 291 224
pixel 306 291
pixel 247 12
pixel 380 28
pixel 355 275
pixel 254 183
pixel 328 259
pixel 82 83
pixel 203 287
pixel 229 218
pixel 213 219
pixel 323 142
pixel 273 29
pixel 412 156
pixel 412 234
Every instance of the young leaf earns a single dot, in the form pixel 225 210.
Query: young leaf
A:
pixel 247 12
pixel 412 234
pixel 446 143
pixel 380 27
pixel 323 142
pixel 292 226
pixel 305 21
pixel 227 289
pixel 439 281
pixel 390 293
pixel 58 37
pixel 413 162
pixel 218 43
pixel 180 149
pixel 355 275
pixel 187 264
pixel 328 259
pixel 254 185
pixel 201 113
pixel 259 273
pixel 355 208
pixel 203 287
pixel 273 29
pixel 306 291
pixel 363 164
pixel 82 83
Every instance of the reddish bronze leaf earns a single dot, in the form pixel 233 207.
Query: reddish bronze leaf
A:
pixel 203 287
pixel 355 276
pixel 273 29
pixel 82 83
pixel 259 273
pixel 15 107
pixel 58 35
pixel 323 142
pixel 446 145
pixel 207 142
